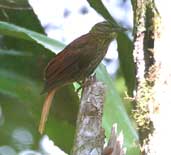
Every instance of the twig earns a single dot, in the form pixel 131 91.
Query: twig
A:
pixel 115 144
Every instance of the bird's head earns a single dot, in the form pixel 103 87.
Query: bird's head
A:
pixel 106 29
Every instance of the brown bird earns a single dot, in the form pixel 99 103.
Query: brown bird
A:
pixel 77 61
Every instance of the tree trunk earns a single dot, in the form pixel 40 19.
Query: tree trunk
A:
pixel 153 74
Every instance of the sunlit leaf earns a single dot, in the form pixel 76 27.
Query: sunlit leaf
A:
pixel 114 112
pixel 22 33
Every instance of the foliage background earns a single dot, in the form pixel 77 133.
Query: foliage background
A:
pixel 24 52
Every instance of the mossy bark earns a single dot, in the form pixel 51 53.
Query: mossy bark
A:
pixel 146 32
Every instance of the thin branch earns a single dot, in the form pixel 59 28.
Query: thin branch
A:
pixel 115 144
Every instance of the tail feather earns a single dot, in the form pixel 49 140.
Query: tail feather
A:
pixel 45 110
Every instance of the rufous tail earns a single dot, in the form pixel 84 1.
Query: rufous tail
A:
pixel 45 110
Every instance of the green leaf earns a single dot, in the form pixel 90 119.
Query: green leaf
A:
pixel 22 33
pixel 101 9
pixel 25 87
pixel 114 112
pixel 124 47
pixel 15 4
pixel 23 57
pixel 17 109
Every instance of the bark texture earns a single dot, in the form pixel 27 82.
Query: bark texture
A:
pixel 153 75
pixel 89 138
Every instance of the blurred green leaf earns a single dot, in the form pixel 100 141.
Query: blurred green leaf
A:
pixel 14 4
pixel 25 88
pixel 22 33
pixel 101 9
pixel 23 18
pixel 22 62
pixel 125 49
pixel 114 112
pixel 17 110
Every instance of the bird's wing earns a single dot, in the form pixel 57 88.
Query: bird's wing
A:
pixel 62 68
